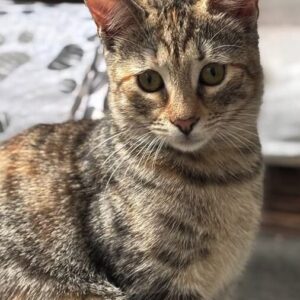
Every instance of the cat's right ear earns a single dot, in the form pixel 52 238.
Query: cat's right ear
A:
pixel 111 16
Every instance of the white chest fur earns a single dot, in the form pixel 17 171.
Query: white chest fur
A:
pixel 233 219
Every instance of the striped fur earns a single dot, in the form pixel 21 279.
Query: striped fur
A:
pixel 128 207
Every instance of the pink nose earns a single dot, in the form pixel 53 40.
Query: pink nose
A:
pixel 186 126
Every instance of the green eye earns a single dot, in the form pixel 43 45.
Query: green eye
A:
pixel 150 81
pixel 212 74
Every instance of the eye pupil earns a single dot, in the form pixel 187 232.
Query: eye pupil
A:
pixel 212 74
pixel 150 81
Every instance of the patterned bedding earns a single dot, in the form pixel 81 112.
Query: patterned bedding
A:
pixel 52 69
pixel 51 65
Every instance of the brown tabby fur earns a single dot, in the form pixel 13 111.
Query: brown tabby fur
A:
pixel 128 207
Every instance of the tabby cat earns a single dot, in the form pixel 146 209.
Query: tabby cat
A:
pixel 161 199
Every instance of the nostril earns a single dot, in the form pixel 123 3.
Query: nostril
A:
pixel 186 126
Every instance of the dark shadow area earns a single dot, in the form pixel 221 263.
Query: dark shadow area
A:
pixel 274 270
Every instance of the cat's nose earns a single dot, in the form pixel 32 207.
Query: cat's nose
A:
pixel 186 126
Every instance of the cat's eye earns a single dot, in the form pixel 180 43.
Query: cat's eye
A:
pixel 150 81
pixel 212 74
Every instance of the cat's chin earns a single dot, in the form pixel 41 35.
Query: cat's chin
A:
pixel 188 146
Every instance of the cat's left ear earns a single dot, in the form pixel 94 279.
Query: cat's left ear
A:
pixel 240 8
pixel 246 10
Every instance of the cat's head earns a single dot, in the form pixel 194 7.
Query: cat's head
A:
pixel 188 72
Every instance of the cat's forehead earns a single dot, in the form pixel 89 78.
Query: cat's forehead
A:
pixel 177 37
pixel 173 9
pixel 174 32
pixel 191 39
pixel 177 55
pixel 161 4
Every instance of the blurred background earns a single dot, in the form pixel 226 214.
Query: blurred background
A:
pixel 52 70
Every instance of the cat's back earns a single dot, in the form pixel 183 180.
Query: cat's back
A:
pixel 42 209
pixel 37 158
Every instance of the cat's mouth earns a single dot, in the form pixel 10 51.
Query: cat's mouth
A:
pixel 187 143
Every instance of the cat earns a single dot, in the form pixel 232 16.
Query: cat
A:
pixel 160 199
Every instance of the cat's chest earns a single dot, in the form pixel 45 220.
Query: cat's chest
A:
pixel 206 245
pixel 196 239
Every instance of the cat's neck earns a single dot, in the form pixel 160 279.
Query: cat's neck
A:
pixel 134 148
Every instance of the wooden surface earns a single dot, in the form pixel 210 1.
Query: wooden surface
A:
pixel 282 199
pixel 281 222
pixel 282 189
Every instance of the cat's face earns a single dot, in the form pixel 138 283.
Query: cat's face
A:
pixel 188 72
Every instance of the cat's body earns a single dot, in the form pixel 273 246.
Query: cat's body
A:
pixel 106 209
pixel 195 229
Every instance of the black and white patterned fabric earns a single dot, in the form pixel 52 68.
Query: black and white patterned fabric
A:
pixel 52 69
pixel 51 65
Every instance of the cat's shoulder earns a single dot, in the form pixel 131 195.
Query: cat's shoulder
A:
pixel 36 160
pixel 43 135
pixel 44 146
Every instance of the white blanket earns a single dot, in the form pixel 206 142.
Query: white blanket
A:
pixel 45 55
pixel 33 36
pixel 280 117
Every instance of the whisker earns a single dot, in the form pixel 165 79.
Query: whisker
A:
pixel 227 141
pixel 157 152
pixel 127 131
pixel 139 142
pixel 151 152
pixel 226 46
pixel 247 143
pixel 245 131
pixel 219 32
pixel 152 143
pixel 102 143
pixel 130 165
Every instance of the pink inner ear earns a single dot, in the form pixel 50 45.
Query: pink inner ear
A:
pixel 102 10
